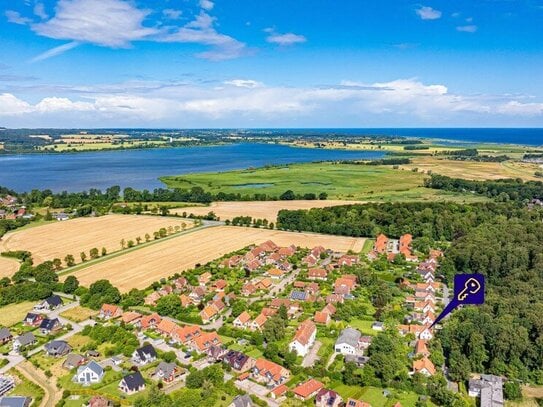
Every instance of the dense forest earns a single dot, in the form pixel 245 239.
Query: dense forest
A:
pixel 436 221
pixel 505 336
pixel 502 189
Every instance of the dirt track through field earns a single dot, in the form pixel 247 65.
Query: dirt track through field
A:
pixel 258 209
pixel 142 267
pixel 56 240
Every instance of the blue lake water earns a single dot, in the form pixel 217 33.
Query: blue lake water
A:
pixel 141 168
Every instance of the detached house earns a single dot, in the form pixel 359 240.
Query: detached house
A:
pixel 308 389
pixel 424 366
pixel 24 340
pixel 5 336
pixel 348 342
pixel 132 383
pixel 204 278
pixel 89 374
pixel 49 303
pixel 166 371
pixel 57 348
pixel 50 325
pixel 328 398
pixel 242 321
pixel 110 311
pixel 32 319
pixel 304 338
pixel 239 362
pixel 144 355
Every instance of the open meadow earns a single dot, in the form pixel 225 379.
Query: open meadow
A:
pixel 339 181
pixel 474 170
pixel 257 209
pixel 56 240
pixel 140 268
pixel 8 267
pixel 13 313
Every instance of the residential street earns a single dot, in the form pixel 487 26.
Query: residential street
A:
pixel 257 390
pixel 311 357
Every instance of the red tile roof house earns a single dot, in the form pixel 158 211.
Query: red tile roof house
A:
pixel 207 339
pixel 242 320
pixel 152 298
pixel 328 398
pixel 424 366
pixel 347 260
pixel 204 278
pixel 304 338
pixel 248 289
pixel 258 322
pixel 269 372
pixel 209 313
pixel 278 392
pixel 381 243
pixel 166 290
pixel 132 318
pixel 186 334
pixel 180 283
pixel 150 321
pixel 308 389
pixel 317 274
pixel 166 327
pixel 269 246
pixel 109 311
pixel 219 285
pixel 322 318
pixel 287 251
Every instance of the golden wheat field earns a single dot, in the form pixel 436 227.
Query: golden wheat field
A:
pixel 56 240
pixel 140 268
pixel 8 267
pixel 258 209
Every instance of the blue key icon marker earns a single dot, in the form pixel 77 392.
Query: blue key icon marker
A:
pixel 468 289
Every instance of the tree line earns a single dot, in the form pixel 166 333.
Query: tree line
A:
pixel 501 190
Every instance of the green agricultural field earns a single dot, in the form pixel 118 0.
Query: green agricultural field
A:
pixel 339 181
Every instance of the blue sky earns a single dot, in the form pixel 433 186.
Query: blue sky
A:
pixel 270 63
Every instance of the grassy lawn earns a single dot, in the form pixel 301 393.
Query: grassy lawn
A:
pixel 374 395
pixel 11 314
pixel 339 181
pixel 79 314
pixel 76 401
pixel 77 341
pixel 363 326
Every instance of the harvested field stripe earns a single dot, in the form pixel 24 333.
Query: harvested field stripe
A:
pixel 56 240
pixel 141 268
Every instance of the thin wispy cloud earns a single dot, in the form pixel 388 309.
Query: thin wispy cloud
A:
pixel 471 28
pixel 284 39
pixel 53 52
pixel 39 10
pixel 16 18
pixel 428 13
pixel 172 14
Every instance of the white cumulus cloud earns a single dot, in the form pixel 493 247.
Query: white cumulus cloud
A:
pixel 428 13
